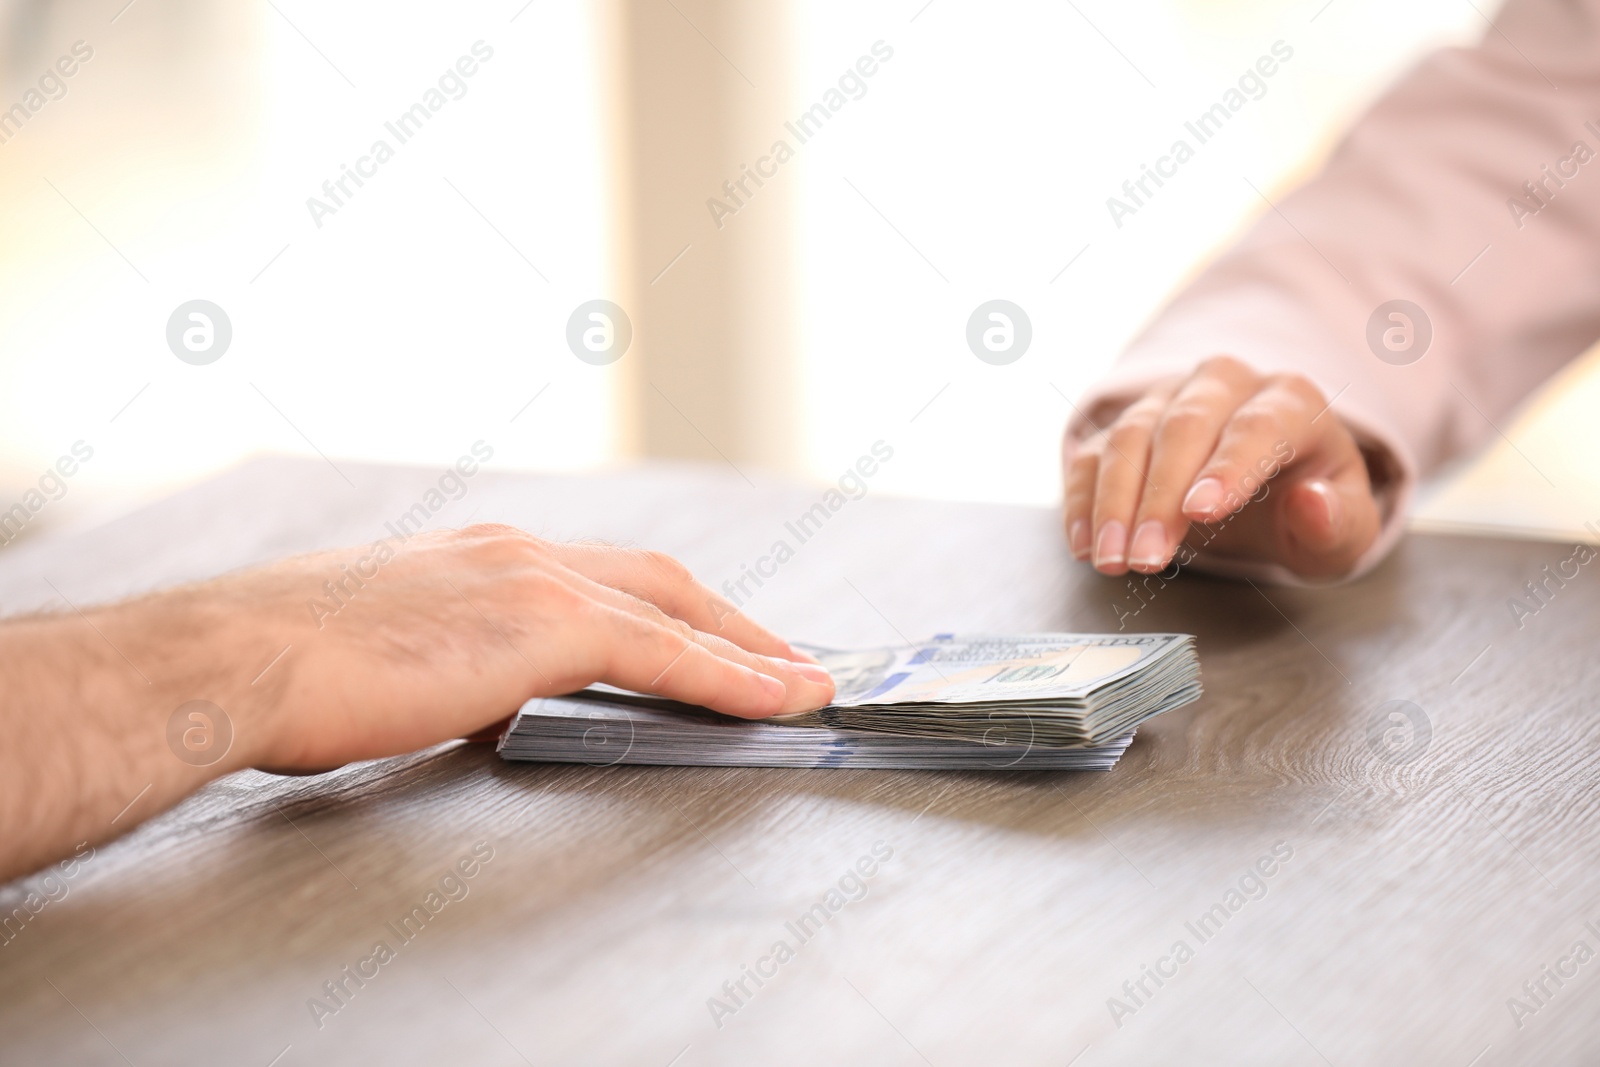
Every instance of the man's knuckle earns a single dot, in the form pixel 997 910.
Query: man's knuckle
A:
pixel 497 543
pixel 675 569
pixel 679 629
pixel 494 531
pixel 547 589
pixel 663 566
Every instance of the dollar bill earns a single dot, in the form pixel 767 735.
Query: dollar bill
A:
pixel 1045 701
pixel 598 731
pixel 1052 689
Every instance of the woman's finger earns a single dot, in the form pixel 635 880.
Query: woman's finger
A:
pixel 1083 467
pixel 1320 514
pixel 1269 430
pixel 1185 436
pixel 1120 478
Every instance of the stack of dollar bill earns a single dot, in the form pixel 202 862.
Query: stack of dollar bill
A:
pixel 1023 701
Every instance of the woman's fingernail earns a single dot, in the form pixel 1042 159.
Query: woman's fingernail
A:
pixel 1330 501
pixel 1149 548
pixel 1112 546
pixel 798 656
pixel 1205 497
pixel 1078 538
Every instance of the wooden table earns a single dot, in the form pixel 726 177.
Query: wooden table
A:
pixel 1431 869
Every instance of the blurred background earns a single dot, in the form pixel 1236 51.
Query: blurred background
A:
pixel 602 150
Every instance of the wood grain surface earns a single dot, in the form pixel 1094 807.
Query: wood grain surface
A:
pixel 1432 869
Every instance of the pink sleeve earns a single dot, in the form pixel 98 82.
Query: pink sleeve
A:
pixel 1471 190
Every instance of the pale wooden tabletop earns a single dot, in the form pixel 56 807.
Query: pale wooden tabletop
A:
pixel 1422 887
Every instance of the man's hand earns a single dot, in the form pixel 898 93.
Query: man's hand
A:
pixel 462 627
pixel 323 659
pixel 1195 450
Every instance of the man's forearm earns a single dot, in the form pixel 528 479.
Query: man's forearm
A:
pixel 87 705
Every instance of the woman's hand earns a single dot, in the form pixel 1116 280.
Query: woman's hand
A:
pixel 1183 462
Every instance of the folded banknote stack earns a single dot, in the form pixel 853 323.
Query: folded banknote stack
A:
pixel 1022 701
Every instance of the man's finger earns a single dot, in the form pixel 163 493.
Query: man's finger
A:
pixel 644 656
pixel 807 685
pixel 665 582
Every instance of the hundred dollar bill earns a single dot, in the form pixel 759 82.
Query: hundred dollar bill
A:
pixel 1054 689
pixel 953 700
pixel 593 729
